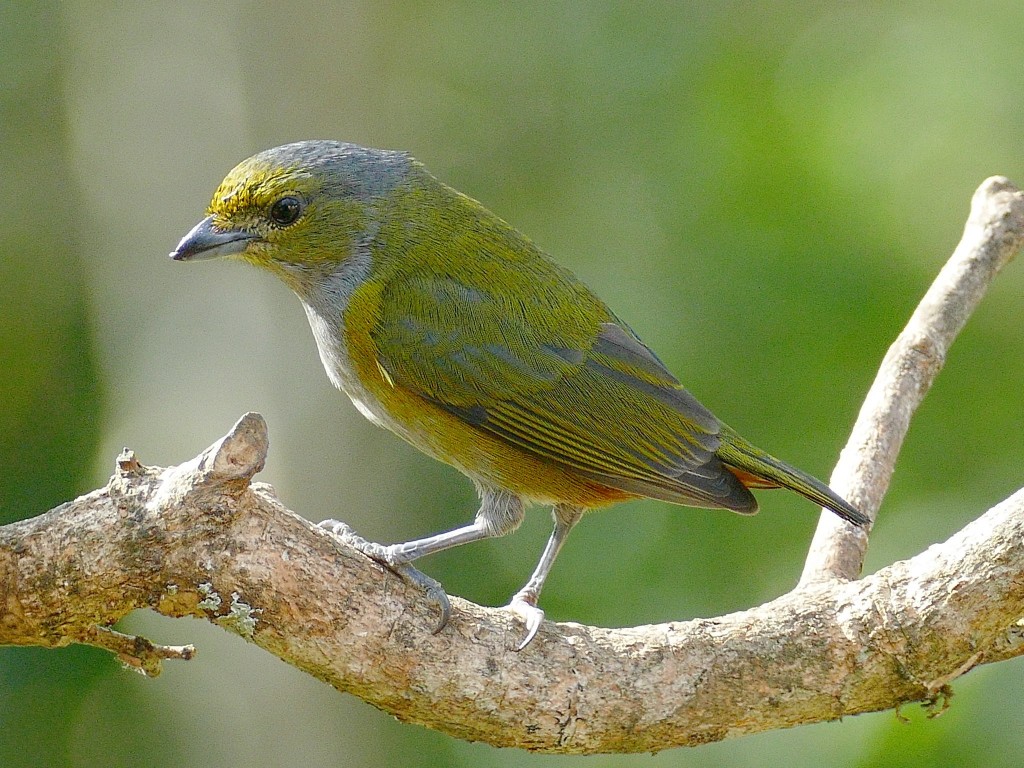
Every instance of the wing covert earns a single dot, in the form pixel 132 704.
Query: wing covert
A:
pixel 577 388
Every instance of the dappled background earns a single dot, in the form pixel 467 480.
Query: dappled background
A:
pixel 762 190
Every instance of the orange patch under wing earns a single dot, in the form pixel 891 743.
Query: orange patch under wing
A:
pixel 751 480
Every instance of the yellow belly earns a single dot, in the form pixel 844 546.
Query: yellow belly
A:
pixel 485 457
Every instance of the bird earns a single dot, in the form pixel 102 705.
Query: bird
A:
pixel 450 328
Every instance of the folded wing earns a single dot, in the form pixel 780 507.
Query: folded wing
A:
pixel 570 384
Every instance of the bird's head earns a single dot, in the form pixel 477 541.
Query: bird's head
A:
pixel 298 210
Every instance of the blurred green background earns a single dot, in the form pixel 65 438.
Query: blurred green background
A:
pixel 762 190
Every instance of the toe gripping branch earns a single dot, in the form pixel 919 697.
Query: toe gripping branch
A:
pixel 391 558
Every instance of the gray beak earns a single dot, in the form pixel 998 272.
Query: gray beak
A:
pixel 205 241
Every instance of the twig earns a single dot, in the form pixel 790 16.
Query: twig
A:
pixel 993 235
pixel 136 653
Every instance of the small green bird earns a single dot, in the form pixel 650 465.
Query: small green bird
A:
pixel 447 326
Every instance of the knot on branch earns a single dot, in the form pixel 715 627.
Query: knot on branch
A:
pixel 226 467
pixel 239 455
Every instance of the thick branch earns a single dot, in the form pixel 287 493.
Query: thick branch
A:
pixel 200 539
pixel 993 235
pixel 197 540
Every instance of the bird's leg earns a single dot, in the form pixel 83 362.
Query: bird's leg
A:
pixel 500 513
pixel 524 602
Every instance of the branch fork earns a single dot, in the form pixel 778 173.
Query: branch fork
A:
pixel 201 539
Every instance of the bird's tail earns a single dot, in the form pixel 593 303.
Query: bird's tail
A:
pixel 758 469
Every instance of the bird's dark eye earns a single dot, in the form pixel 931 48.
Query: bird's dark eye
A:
pixel 285 211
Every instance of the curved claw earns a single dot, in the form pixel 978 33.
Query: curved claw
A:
pixel 385 555
pixel 431 588
pixel 531 615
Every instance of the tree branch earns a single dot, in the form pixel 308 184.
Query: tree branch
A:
pixel 201 539
pixel 993 235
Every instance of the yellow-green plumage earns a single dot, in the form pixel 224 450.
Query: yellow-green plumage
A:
pixel 452 329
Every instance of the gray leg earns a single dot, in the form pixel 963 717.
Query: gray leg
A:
pixel 500 513
pixel 524 602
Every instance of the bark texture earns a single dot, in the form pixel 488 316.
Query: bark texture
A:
pixel 202 539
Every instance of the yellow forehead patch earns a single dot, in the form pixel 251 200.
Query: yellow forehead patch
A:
pixel 252 186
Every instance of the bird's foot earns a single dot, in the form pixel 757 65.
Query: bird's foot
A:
pixel 391 558
pixel 524 605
